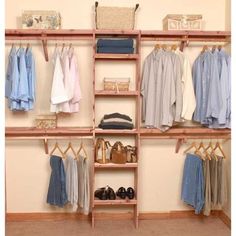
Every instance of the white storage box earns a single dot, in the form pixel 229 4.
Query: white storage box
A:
pixel 182 22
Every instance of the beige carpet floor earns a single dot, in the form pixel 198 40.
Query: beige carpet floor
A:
pixel 170 227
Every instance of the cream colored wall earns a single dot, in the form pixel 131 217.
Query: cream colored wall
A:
pixel 28 169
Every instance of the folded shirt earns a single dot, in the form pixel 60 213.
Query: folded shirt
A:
pixel 115 125
pixel 117 115
pixel 127 43
pixel 125 50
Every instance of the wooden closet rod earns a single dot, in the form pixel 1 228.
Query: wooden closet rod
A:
pixel 46 138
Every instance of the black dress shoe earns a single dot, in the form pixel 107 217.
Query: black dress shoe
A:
pixel 121 193
pixel 101 194
pixel 130 193
pixel 111 194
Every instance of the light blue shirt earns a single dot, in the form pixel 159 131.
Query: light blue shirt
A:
pixel 211 77
pixel 20 80
pixel 30 68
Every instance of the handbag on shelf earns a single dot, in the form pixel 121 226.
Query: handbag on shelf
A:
pixel 131 153
pixel 102 151
pixel 118 153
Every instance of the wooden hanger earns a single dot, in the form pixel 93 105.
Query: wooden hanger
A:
pixel 83 149
pixel 204 48
pixel 70 147
pixel 56 146
pixel 174 47
pixel 201 146
pixel 220 47
pixel 217 146
pixel 193 145
pixel 62 49
pixel 164 47
pixel 157 46
pixel 27 47
pixel 210 146
pixel 213 48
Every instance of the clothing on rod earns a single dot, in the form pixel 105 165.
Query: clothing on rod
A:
pixel 20 80
pixel 66 91
pixel 204 183
pixel 161 89
pixel 212 86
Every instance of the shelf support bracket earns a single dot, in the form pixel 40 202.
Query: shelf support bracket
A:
pixel 45 142
pixel 179 143
pixel 184 42
pixel 45 49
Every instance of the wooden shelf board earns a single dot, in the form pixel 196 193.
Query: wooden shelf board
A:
pixel 117 32
pixel 32 131
pixel 114 93
pixel 126 201
pixel 186 131
pixel 116 131
pixel 116 56
pixel 112 165
pixel 182 33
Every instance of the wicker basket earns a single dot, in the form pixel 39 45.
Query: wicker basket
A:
pixel 116 84
pixel 119 18
pixel 46 122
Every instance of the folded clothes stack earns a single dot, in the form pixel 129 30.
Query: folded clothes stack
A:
pixel 116 121
pixel 115 46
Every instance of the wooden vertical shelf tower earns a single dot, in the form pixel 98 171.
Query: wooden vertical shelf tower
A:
pixel 98 132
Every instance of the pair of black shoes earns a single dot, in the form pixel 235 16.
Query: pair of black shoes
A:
pixel 105 193
pixel 123 193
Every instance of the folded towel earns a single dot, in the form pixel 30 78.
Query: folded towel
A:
pixel 128 43
pixel 117 115
pixel 117 50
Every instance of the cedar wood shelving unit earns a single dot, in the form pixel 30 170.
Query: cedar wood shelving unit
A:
pixel 180 134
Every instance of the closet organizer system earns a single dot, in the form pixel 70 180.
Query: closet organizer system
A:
pixel 138 133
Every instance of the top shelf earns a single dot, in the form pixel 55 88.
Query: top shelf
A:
pixel 77 33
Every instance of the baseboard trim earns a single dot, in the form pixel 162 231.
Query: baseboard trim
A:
pixel 225 219
pixel 13 217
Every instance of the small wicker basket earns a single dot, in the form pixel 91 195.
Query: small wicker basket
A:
pixel 116 84
pixel 46 122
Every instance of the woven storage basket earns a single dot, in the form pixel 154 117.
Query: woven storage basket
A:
pixel 115 17
pixel 46 122
pixel 116 84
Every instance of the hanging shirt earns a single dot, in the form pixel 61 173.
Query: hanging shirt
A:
pixel 212 88
pixel 75 81
pixel 12 77
pixel 161 90
pixel 189 100
pixel 30 68
pixel 58 92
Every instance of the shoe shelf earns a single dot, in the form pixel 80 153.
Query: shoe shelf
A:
pixel 114 93
pixel 98 202
pixel 113 165
pixel 116 131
